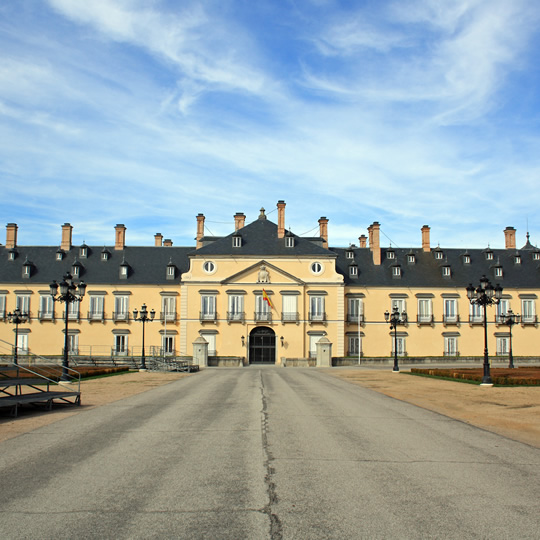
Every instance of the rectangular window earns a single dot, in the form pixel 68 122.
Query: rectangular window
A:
pixel 96 312
pixel 396 271
pixel 167 342
pixel 528 312
pixel 450 346
pixel 290 308
pixel 399 303
pixel 46 307
pixel 73 344
pixel 313 339
pixel 502 346
pixel 289 241
pixel 236 307
pixel 121 308
pixel 450 310
pixel 316 308
pixel 23 303
pixel 355 346
pixel 400 342
pixel 22 344
pixel 73 311
pixel 237 241
pixel 121 345
pixel 476 313
pixel 208 307
pixel 424 310
pixel 263 311
pixel 355 310
pixel 2 306
pixel 498 272
pixel 211 338
pixel 502 310
pixel 168 308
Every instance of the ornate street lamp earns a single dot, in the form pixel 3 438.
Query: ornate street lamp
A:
pixel 69 293
pixel 485 295
pixel 17 317
pixel 510 319
pixel 143 317
pixel 395 319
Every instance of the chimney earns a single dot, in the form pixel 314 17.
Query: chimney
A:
pixel 200 229
pixel 167 242
pixel 375 242
pixel 66 237
pixel 158 239
pixel 425 238
pixel 362 241
pixel 11 235
pixel 120 237
pixel 281 219
pixel 323 231
pixel 239 220
pixel 510 238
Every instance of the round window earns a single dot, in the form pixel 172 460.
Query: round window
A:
pixel 317 268
pixel 209 267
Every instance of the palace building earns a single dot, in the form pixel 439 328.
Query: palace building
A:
pixel 265 295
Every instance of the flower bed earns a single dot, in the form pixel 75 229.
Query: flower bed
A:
pixel 521 376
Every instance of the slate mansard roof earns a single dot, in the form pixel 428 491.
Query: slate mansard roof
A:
pixel 147 265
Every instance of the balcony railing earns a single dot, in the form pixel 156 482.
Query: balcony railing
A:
pixel 120 315
pixel 355 318
pixel 207 316
pixel 168 316
pixel 451 319
pixel 424 319
pixel 528 319
pixel 46 315
pixel 476 319
pixel 94 315
pixel 263 316
pixel 290 316
pixel 236 316
pixel 71 316
pixel 317 317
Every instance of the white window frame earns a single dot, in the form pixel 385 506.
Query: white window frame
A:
pixel 313 340
pixel 425 310
pixel 502 309
pixel 476 313
pixel 73 311
pixel 2 306
pixel 121 344
pixel 316 268
pixel 211 339
pixel 355 310
pixel 528 310
pixel 396 271
pixel 353 270
pixel 289 308
pixel 400 303
pixel 168 344
pixel 354 344
pixel 236 307
pixel 168 308
pixel 46 307
pixel 73 344
pixel 208 307
pixel 23 303
pixel 451 346
pixel 236 241
pixel 209 267
pixel 401 345
pixel 96 310
pixel 446 271
pixel 391 254
pixel 22 343
pixel 121 307
pixel 498 272
pixel 316 308
pixel 450 306
pixel 263 312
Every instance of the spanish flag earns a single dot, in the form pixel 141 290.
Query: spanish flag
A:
pixel 266 297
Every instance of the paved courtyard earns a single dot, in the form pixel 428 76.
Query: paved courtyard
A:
pixel 266 453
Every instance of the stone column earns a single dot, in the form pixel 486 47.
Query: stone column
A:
pixel 324 352
pixel 200 352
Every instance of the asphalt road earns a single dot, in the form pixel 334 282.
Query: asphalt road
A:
pixel 266 453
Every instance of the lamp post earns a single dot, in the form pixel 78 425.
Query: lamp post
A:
pixel 395 319
pixel 143 316
pixel 485 295
pixel 510 319
pixel 69 293
pixel 17 317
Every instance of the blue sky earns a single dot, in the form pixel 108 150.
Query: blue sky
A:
pixel 147 112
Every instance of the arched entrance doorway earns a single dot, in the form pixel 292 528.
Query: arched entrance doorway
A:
pixel 262 346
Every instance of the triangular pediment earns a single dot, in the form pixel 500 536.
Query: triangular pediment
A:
pixel 255 274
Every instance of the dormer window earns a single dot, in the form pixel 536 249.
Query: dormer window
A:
pixel 438 254
pixel 76 269
pixel 498 271
pixel 27 269
pixel 396 271
pixel 171 270
pixel 517 259
pixel 489 255
pixel 12 254
pixel 289 241
pixel 353 270
pixel 105 254
pixel 466 259
pixel 236 241
pixel 536 256
pixel 83 251
pixel 124 269
pixel 59 255
pixel 349 254
pixel 411 259
pixel 446 271
pixel 390 254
